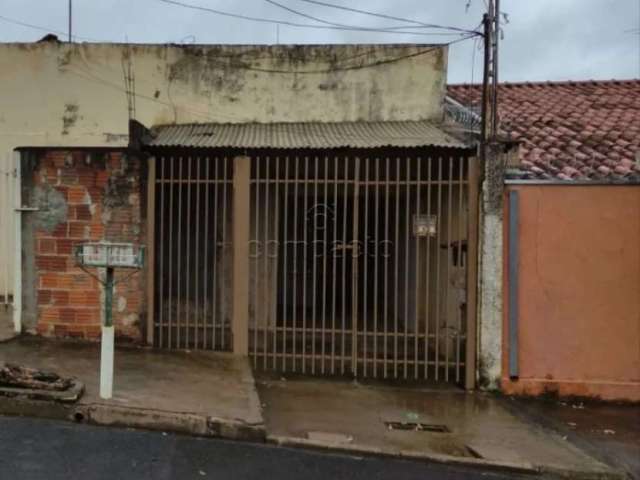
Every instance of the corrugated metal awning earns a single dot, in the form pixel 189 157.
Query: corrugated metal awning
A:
pixel 304 135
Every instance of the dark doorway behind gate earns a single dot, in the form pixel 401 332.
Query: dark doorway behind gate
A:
pixel 358 265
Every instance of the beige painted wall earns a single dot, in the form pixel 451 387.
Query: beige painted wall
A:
pixel 74 94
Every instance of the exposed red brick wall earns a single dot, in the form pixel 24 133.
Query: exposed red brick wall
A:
pixel 102 195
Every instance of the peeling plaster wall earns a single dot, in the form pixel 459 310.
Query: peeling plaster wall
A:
pixel 58 94
pixel 490 278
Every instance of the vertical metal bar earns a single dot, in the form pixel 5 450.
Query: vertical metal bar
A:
pixel 355 253
pixel 224 281
pixel 205 261
pixel 265 278
pixel 15 164
pixel 285 266
pixel 215 265
pixel 161 277
pixel 197 255
pixel 172 257
pixel 334 254
pixel 472 273
pixel 304 267
pixel 179 257
pixel 256 261
pixel 407 277
pixel 325 200
pixel 416 303
pixel 427 307
pixel 448 280
pixel 151 244
pixel 396 272
pixel 241 211
pixel 438 285
pixel 387 230
pixel 294 293
pixel 314 268
pixel 364 283
pixel 376 253
pixel 276 229
pixel 5 181
pixel 343 286
pixel 188 257
pixel 459 263
pixel 514 260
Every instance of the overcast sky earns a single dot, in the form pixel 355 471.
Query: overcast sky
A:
pixel 543 40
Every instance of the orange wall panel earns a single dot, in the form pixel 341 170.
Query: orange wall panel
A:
pixel 579 292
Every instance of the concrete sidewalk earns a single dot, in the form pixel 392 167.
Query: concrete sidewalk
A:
pixel 210 394
pixel 213 394
pixel 472 429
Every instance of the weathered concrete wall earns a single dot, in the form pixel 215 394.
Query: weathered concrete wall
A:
pixel 490 282
pixel 579 284
pixel 58 94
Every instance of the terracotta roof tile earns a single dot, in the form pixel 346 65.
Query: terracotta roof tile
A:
pixel 570 130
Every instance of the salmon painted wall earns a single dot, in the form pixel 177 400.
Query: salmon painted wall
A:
pixel 579 292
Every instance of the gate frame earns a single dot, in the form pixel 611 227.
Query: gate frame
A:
pixel 240 241
pixel 472 273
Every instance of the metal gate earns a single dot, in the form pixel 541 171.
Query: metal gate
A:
pixel 192 252
pixel 358 265
pixel 317 264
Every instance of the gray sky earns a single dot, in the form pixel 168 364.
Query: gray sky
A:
pixel 544 39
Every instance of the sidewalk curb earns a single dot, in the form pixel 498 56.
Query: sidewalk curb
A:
pixel 214 427
pixel 469 462
pixel 524 467
pixel 128 417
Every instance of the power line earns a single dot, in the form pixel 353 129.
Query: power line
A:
pixel 388 17
pixel 45 29
pixel 390 29
pixel 288 23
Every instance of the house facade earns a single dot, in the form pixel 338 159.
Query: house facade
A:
pixel 304 205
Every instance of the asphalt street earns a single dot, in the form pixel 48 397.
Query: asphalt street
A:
pixel 36 449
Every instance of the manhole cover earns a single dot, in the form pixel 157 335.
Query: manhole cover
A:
pixel 417 427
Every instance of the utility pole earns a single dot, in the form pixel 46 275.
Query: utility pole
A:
pixel 70 1
pixel 491 24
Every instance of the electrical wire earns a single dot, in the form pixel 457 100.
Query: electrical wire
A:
pixel 390 29
pixel 288 23
pixel 45 29
pixel 388 17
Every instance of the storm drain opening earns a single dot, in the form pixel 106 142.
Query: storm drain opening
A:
pixel 417 427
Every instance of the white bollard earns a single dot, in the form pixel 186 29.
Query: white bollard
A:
pixel 106 363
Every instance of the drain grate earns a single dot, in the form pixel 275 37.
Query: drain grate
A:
pixel 417 427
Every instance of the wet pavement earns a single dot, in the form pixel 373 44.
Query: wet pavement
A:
pixel 608 431
pixel 441 421
pixel 49 450
pixel 211 385
pixel 212 394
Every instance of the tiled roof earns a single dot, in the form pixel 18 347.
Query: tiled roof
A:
pixel 303 135
pixel 569 130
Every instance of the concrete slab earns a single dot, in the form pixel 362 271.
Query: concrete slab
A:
pixel 480 429
pixel 200 393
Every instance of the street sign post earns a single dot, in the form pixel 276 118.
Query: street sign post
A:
pixel 109 256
